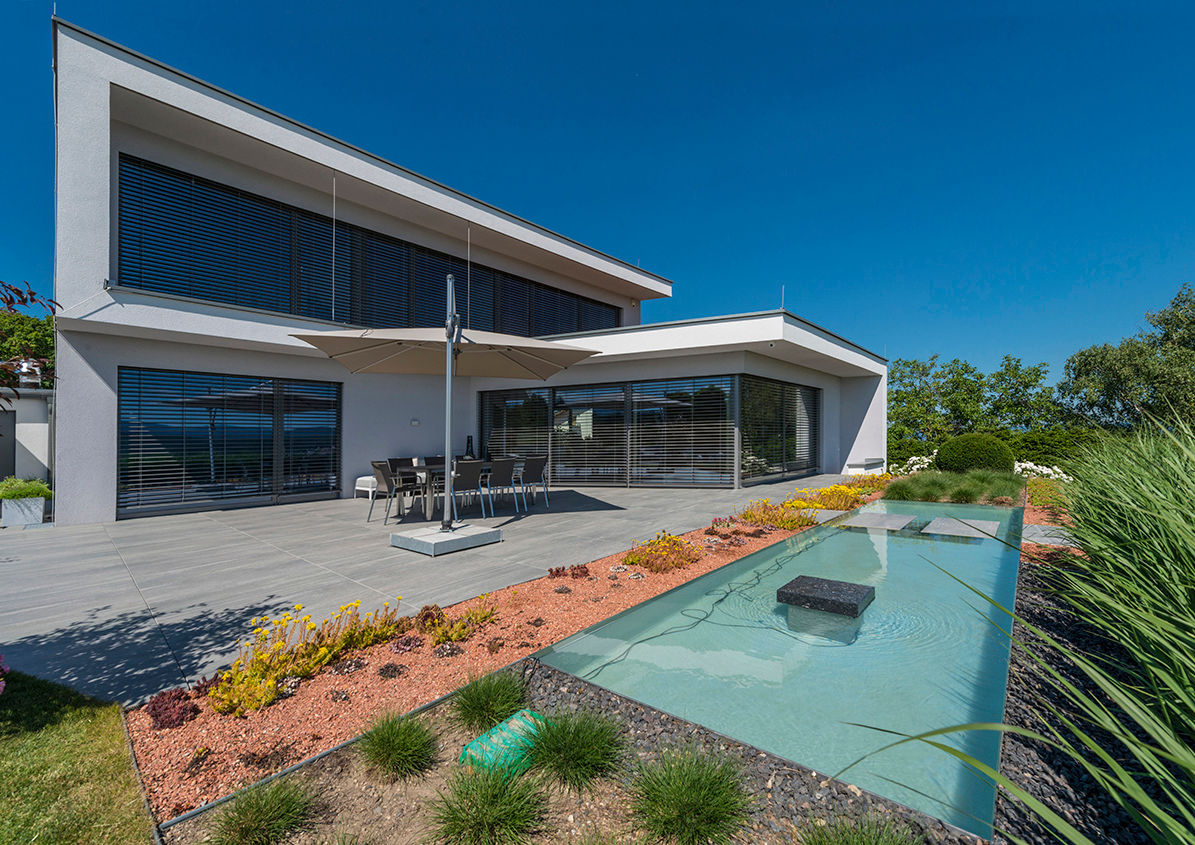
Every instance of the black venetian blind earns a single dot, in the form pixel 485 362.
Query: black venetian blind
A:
pixel 186 235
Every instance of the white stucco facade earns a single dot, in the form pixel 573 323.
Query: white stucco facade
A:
pixel 110 101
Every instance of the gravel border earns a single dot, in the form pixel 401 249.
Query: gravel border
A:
pixel 1046 773
pixel 787 793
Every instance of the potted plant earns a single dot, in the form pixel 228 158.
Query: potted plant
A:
pixel 22 502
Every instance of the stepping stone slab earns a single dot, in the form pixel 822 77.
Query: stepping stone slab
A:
pixel 825 515
pixel 886 521
pixel 1047 535
pixel 952 526
pixel 841 597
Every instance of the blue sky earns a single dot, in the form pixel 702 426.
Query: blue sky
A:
pixel 922 178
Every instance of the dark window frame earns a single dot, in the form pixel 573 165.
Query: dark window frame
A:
pixel 274 479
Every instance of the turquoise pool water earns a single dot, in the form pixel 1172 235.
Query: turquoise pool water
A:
pixel 720 651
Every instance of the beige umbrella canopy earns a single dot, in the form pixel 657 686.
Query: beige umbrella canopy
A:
pixel 421 351
pixel 428 351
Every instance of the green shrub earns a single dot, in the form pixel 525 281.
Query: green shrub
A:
pixel 24 488
pixel 689 798
pixel 264 814
pixel 576 748
pixel 486 701
pixel 1051 446
pixel 402 747
pixel 975 451
pixel 868 830
pixel 488 807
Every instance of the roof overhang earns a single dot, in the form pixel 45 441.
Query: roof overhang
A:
pixel 773 334
pixel 152 96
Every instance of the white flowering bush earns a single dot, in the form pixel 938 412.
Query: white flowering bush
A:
pixel 1027 469
pixel 915 464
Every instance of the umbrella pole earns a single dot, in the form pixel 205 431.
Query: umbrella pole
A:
pixel 450 327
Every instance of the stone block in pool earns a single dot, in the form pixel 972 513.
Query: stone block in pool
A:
pixel 822 594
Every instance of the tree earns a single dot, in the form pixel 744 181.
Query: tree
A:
pixel 913 400
pixel 963 398
pixel 23 336
pixel 1149 374
pixel 1018 398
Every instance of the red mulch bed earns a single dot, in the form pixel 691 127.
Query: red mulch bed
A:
pixel 215 754
pixel 1036 515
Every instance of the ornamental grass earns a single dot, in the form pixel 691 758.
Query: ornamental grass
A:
pixel 663 553
pixel 689 797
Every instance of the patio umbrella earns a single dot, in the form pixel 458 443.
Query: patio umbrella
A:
pixel 450 351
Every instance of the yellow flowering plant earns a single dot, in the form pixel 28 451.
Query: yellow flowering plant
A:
pixel 662 553
pixel 767 514
pixel 294 646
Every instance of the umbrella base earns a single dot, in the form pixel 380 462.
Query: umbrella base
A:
pixel 430 540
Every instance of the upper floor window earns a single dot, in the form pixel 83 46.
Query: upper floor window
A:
pixel 187 235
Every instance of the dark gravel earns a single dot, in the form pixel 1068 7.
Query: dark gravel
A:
pixel 1047 774
pixel 788 796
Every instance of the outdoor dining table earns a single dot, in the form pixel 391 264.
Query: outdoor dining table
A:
pixel 427 474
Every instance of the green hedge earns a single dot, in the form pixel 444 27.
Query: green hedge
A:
pixel 975 451
pixel 1050 446
pixel 1044 446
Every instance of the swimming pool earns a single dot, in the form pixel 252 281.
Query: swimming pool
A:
pixel 720 651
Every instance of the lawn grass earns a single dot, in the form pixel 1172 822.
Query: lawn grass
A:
pixel 65 770
pixel 978 485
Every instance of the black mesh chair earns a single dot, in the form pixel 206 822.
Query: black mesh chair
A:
pixel 532 474
pixel 386 487
pixel 500 478
pixel 406 480
pixel 466 478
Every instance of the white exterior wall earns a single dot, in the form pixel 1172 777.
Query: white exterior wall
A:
pixel 33 459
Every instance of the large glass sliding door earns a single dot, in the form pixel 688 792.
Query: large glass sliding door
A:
pixel 589 437
pixel 678 432
pixel 682 432
pixel 780 425
pixel 190 441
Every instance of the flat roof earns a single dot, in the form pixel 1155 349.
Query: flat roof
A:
pixel 57 21
pixel 776 312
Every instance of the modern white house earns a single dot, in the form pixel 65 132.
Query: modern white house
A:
pixel 196 232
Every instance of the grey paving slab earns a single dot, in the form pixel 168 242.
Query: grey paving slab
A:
pixel 953 526
pixel 125 609
pixel 825 515
pixel 1046 535
pixel 886 521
